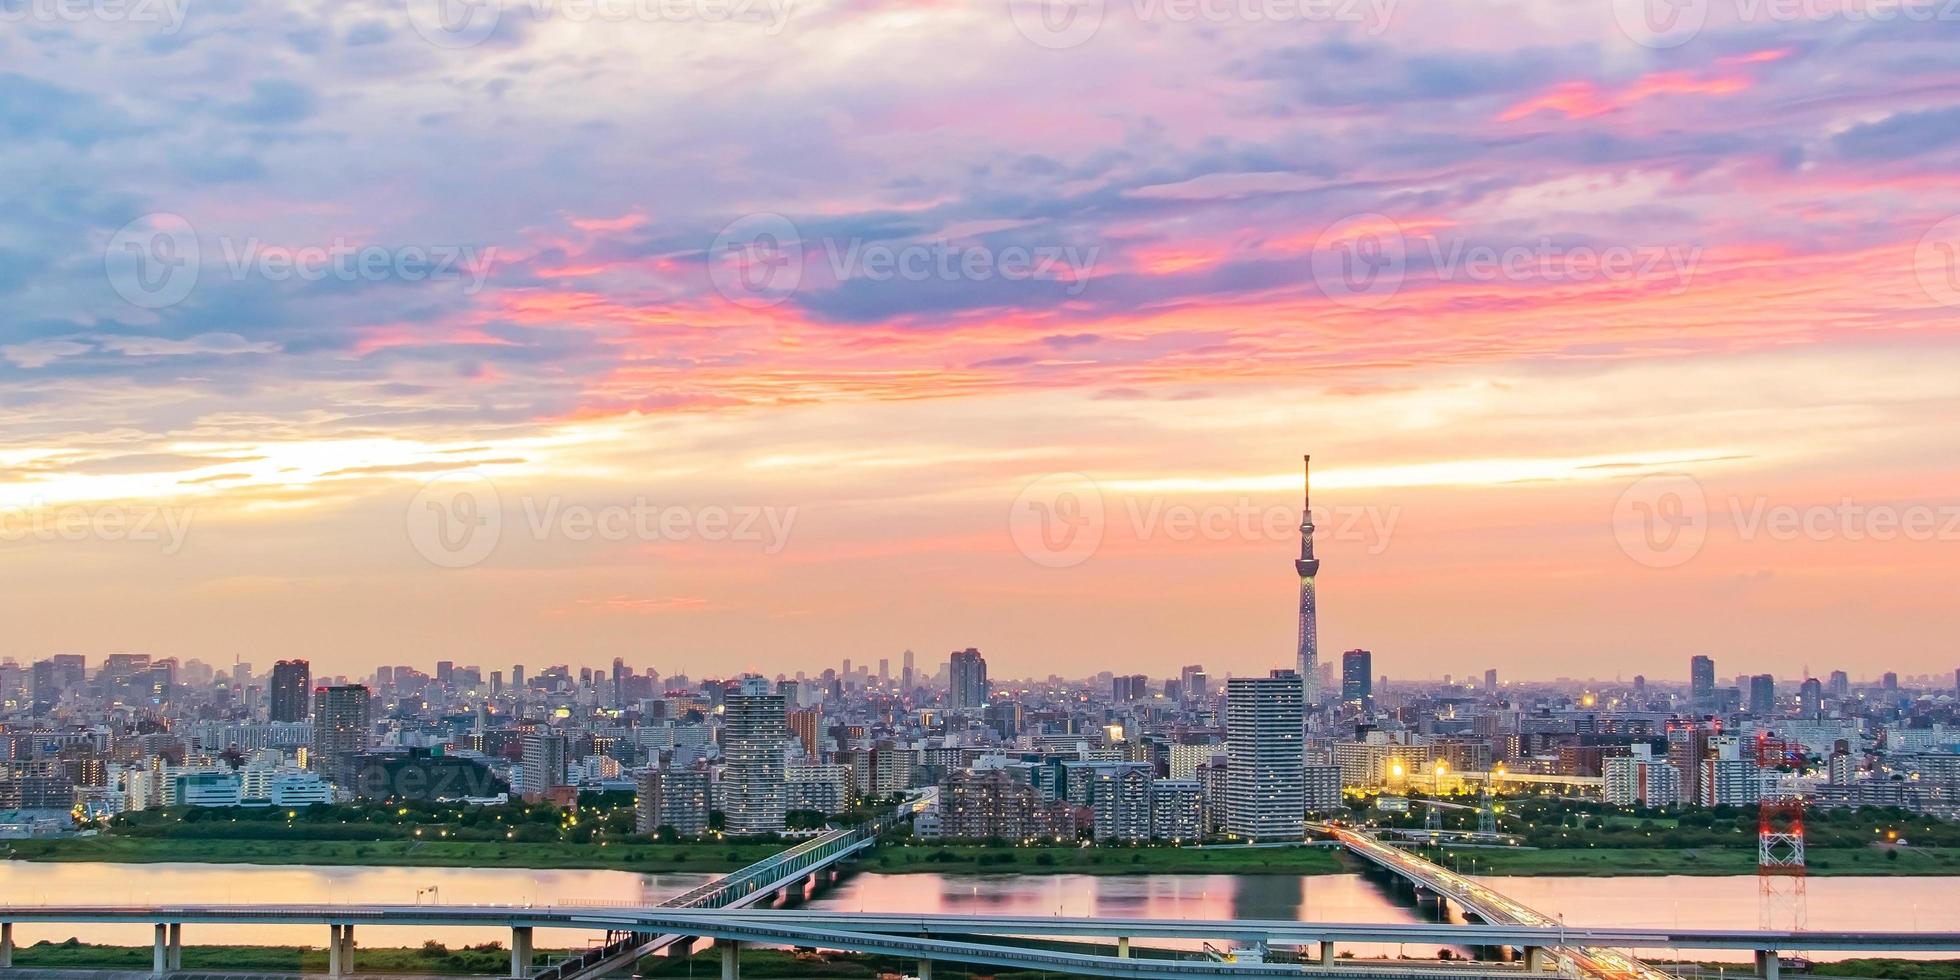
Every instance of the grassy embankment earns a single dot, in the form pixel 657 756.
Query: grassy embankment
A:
pixel 620 856
pixel 433 958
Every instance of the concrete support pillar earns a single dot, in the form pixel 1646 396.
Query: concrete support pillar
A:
pixel 160 961
pixel 520 951
pixel 347 949
pixel 925 970
pixel 1123 947
pixel 1768 966
pixel 333 951
pixel 1327 952
pixel 6 945
pixel 176 958
pixel 731 959
pixel 1536 959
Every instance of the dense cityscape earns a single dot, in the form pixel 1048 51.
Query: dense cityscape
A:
pixel 1113 758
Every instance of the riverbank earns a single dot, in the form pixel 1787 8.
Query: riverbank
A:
pixel 1704 861
pixel 920 858
pixel 647 858
pixel 432 958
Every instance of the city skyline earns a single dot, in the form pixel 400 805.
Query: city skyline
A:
pixel 247 372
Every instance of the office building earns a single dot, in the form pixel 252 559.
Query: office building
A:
pixel 1357 677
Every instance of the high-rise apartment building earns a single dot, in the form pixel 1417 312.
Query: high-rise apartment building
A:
pixel 292 689
pixel 754 734
pixel 677 799
pixel 1762 695
pixel 342 718
pixel 1701 680
pixel 967 674
pixel 547 763
pixel 1265 721
pixel 1810 698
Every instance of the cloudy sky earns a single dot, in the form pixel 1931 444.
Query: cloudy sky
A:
pixel 725 334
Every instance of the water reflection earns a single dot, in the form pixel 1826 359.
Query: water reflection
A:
pixel 1855 904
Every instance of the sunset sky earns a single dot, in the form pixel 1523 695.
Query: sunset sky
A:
pixel 1726 255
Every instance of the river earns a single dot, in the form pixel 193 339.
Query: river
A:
pixel 1722 902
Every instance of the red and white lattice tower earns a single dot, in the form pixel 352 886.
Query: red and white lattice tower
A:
pixel 1780 862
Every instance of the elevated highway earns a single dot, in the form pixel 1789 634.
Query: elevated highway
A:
pixel 989 940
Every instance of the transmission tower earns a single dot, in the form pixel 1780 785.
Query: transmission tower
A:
pixel 1486 812
pixel 1780 870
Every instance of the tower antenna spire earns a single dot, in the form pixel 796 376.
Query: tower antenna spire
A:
pixel 1306 483
pixel 1308 662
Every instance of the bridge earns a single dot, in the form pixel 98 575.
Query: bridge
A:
pixel 741 889
pixel 1494 908
pixel 991 940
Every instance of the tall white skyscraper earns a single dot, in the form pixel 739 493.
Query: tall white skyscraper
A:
pixel 1265 789
pixel 754 735
pixel 1308 566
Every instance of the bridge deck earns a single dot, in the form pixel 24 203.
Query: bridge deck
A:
pixel 1493 906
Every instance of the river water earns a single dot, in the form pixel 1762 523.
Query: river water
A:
pixel 1724 902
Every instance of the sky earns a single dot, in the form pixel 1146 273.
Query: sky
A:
pixel 730 335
